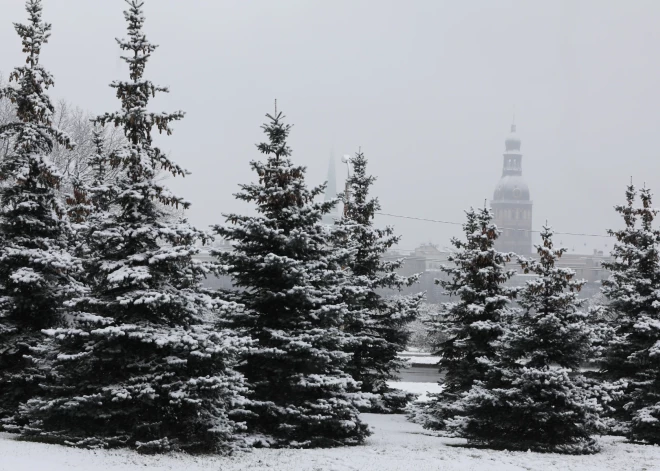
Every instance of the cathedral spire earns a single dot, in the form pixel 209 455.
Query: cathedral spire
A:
pixel 513 120
pixel 331 191
pixel 331 185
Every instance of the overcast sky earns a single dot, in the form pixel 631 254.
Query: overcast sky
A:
pixel 426 87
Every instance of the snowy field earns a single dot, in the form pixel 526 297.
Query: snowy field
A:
pixel 396 445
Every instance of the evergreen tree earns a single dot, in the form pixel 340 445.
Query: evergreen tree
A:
pixel 632 357
pixel 141 367
pixel 78 204
pixel 90 194
pixel 289 279
pixel 35 266
pixel 378 324
pixel 533 397
pixel 473 325
pixel 100 191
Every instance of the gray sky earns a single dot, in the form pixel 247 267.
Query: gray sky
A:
pixel 426 87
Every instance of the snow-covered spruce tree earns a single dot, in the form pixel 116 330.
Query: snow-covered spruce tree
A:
pixel 533 397
pixel 71 162
pixel 35 266
pixel 472 325
pixel 100 191
pixel 632 355
pixel 91 196
pixel 140 368
pixel 289 278
pixel 378 324
pixel 78 204
pixel 88 196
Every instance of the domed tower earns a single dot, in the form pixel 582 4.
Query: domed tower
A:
pixel 511 204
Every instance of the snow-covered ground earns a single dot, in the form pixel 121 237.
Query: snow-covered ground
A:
pixel 396 445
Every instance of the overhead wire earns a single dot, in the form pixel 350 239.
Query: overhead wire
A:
pixel 453 223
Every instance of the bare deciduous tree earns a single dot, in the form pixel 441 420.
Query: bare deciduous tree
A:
pixel 73 164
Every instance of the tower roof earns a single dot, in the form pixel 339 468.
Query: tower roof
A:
pixel 512 186
pixel 512 142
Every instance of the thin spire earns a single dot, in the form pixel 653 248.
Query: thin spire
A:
pixel 275 106
pixel 331 192
pixel 513 120
pixel 331 185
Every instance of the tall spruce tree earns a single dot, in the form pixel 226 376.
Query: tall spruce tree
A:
pixel 100 191
pixel 533 397
pixel 289 279
pixel 632 357
pixel 378 324
pixel 88 195
pixel 140 368
pixel 35 266
pixel 471 326
pixel 80 204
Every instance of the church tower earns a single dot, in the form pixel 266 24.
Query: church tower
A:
pixel 511 204
pixel 331 192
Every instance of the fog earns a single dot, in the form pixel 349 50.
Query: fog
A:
pixel 427 88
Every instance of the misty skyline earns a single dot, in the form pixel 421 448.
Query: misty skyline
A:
pixel 426 88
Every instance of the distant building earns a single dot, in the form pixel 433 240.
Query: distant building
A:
pixel 511 204
pixel 427 260
pixel 512 208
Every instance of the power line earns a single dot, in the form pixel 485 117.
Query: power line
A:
pixel 421 219
pixel 506 228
